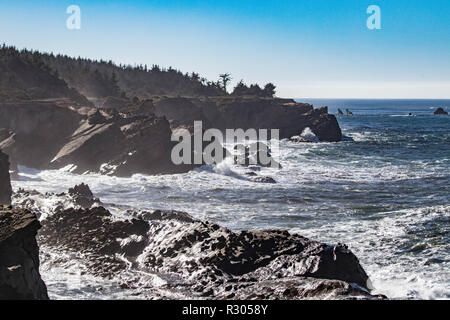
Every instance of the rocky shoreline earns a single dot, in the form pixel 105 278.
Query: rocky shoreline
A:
pixel 196 259
pixel 191 259
pixel 59 133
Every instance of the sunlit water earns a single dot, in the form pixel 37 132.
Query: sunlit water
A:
pixel 385 194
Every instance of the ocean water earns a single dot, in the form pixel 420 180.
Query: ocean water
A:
pixel 386 194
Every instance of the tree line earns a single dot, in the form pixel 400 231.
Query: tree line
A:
pixel 100 78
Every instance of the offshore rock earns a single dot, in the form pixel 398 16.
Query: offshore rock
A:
pixel 83 196
pixel 440 111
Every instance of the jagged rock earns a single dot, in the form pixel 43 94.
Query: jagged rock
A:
pixel 83 195
pixel 147 149
pixel 440 111
pixel 5 183
pixel 183 110
pixel 96 233
pixel 19 256
pixel 37 130
pixel 90 146
pixel 52 134
pixel 206 259
pixel 81 190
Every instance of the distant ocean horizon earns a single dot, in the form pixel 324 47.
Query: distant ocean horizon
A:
pixel 380 106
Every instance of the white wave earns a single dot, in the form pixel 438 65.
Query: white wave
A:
pixel 309 135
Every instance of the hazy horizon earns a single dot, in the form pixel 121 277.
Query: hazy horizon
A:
pixel 307 49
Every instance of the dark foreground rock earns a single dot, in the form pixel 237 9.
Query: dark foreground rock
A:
pixel 58 133
pixel 192 258
pixel 5 183
pixel 19 256
pixel 440 111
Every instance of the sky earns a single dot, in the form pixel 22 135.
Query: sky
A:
pixel 307 48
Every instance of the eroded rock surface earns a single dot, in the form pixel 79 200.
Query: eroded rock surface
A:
pixel 290 117
pixel 5 183
pixel 19 256
pixel 193 258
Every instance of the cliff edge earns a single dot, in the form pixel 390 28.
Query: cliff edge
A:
pixel 19 252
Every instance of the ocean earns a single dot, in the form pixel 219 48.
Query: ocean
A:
pixel 384 191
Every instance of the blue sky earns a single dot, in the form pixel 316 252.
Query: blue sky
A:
pixel 308 48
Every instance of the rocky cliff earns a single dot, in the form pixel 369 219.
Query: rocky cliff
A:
pixel 53 134
pixel 290 117
pixel 57 133
pixel 5 183
pixel 19 256
pixel 19 252
pixel 34 131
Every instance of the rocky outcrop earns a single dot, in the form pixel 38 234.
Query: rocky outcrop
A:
pixel 201 259
pixel 34 131
pixel 19 256
pixel 440 111
pixel 57 133
pixel 289 117
pixel 90 146
pixel 83 196
pixel 120 144
pixel 5 183
pixel 210 260
pixel 53 135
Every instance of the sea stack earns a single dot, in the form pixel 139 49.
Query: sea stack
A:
pixel 440 111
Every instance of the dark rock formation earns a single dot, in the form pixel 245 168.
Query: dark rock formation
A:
pixel 19 256
pixel 203 259
pixel 440 111
pixel 83 196
pixel 5 183
pixel 53 134
pixel 147 148
pixel 36 130
pixel 289 117
pixel 90 146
